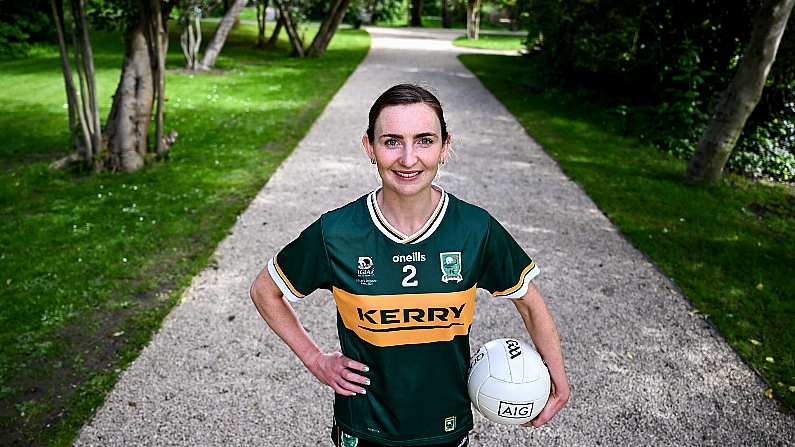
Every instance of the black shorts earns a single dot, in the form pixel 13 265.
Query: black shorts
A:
pixel 338 435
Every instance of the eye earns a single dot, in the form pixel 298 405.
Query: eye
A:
pixel 390 142
pixel 427 141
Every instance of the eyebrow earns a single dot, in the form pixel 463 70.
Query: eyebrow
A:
pixel 400 137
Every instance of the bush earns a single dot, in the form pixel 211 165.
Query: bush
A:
pixel 21 24
pixel 669 61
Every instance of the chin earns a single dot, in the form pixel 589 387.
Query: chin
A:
pixel 408 190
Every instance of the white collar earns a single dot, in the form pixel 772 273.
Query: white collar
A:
pixel 393 233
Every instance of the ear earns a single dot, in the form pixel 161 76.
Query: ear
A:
pixel 368 148
pixel 446 148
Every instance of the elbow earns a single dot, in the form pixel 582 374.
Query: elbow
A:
pixel 258 292
pixel 252 292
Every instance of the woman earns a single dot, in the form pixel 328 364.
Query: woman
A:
pixel 403 264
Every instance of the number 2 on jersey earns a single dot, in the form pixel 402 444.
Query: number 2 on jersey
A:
pixel 412 272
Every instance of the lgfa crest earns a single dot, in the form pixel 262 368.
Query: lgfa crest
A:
pixel 451 266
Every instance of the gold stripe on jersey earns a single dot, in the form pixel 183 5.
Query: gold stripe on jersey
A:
pixel 406 319
pixel 284 278
pixel 519 284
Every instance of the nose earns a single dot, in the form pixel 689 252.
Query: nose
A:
pixel 409 157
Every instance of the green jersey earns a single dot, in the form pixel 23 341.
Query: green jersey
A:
pixel 405 304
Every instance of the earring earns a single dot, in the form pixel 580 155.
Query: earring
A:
pixel 372 160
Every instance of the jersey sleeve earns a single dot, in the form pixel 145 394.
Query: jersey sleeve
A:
pixel 508 270
pixel 302 266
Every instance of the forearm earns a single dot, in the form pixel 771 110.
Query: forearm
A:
pixel 281 317
pixel 541 327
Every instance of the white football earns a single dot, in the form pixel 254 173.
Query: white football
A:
pixel 508 381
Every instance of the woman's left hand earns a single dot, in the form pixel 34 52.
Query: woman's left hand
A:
pixel 558 396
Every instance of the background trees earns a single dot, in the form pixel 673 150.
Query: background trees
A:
pixel 664 65
pixel 122 142
pixel 741 96
pixel 290 12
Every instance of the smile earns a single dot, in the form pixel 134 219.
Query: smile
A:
pixel 407 174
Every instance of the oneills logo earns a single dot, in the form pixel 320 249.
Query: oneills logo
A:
pixel 391 320
pixel 414 257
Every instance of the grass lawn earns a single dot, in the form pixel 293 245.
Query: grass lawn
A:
pixel 91 263
pixel 492 42
pixel 731 247
pixel 250 13
pixel 436 22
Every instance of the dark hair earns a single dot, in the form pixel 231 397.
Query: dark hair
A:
pixel 403 94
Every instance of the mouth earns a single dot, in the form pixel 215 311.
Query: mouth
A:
pixel 407 175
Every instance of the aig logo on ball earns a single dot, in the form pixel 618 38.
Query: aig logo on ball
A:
pixel 508 381
pixel 513 410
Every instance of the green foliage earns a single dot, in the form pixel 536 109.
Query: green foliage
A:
pixel 21 24
pixel 357 13
pixel 766 151
pixel 670 60
pixel 730 247
pixel 91 263
pixel 390 11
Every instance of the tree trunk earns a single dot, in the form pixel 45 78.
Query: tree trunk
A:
pixel 328 28
pixel 741 96
pixel 77 126
pixel 228 4
pixel 131 112
pixel 473 19
pixel 88 109
pixel 158 35
pixel 191 37
pixel 447 19
pixel 275 34
pixel 290 26
pixel 416 13
pixel 262 15
pixel 214 48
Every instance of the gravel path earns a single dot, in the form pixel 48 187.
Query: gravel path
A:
pixel 643 370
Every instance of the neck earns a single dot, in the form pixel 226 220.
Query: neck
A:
pixel 408 213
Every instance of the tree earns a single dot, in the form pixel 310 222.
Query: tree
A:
pixel 275 34
pixel 324 35
pixel 416 13
pixel 447 18
pixel 741 96
pixel 262 7
pixel 328 28
pixel 191 37
pixel 123 146
pixel 83 108
pixel 473 19
pixel 142 82
pixel 219 38
pixel 291 27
